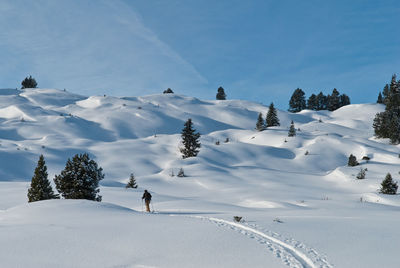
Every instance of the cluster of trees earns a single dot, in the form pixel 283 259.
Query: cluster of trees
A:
pixel 29 82
pixel 387 124
pixel 271 119
pixel 318 102
pixel 79 180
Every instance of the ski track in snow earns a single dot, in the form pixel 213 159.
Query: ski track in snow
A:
pixel 292 253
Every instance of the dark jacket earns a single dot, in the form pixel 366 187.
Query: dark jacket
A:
pixel 146 196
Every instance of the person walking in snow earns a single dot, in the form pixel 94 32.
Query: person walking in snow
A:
pixel 147 199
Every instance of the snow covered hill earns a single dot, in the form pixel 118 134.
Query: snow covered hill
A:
pixel 327 218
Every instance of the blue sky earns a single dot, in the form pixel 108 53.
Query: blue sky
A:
pixel 256 50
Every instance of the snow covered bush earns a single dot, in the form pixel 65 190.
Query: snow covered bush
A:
pixel 181 173
pixel 361 174
pixel 80 179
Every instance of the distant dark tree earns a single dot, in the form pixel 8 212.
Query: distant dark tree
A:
pixel 168 91
pixel 385 93
pixel 190 140
pixel 260 125
pixel 312 102
pixel 380 98
pixel 272 119
pixel 221 94
pixel 132 182
pixel 387 124
pixel 80 179
pixel 352 161
pixel 344 100
pixel 322 102
pixel 334 100
pixel 292 130
pixel 29 82
pixel 40 186
pixel 388 186
pixel 297 102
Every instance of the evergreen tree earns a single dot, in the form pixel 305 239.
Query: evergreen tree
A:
pixel 334 100
pixel 380 98
pixel 132 182
pixel 352 161
pixel 292 130
pixel 297 102
pixel 190 140
pixel 361 174
pixel 388 186
pixel 181 173
pixel 40 186
pixel 312 102
pixel 387 124
pixel 385 93
pixel 29 82
pixel 272 119
pixel 260 125
pixel 221 94
pixel 344 100
pixel 322 102
pixel 168 91
pixel 80 179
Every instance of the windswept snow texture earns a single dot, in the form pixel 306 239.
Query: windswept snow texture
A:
pixel 299 210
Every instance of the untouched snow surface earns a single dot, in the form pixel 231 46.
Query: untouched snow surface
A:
pixel 299 210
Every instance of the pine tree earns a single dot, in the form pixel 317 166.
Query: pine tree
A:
pixel 272 119
pixel 388 186
pixel 181 173
pixel 352 162
pixel 29 82
pixel 221 94
pixel 80 179
pixel 40 186
pixel 132 182
pixel 322 102
pixel 190 140
pixel 387 124
pixel 297 102
pixel 344 100
pixel 312 102
pixel 292 130
pixel 380 98
pixel 168 91
pixel 334 100
pixel 361 174
pixel 260 125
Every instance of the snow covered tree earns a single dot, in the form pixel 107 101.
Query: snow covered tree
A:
pixel 352 162
pixel 260 125
pixel 272 117
pixel 190 140
pixel 168 91
pixel 388 186
pixel 29 82
pixel 297 102
pixel 292 130
pixel 40 186
pixel 181 173
pixel 221 94
pixel 132 182
pixel 361 174
pixel 80 179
